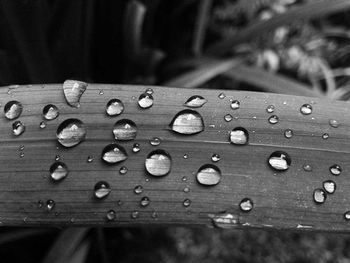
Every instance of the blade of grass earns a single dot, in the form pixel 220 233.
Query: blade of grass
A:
pixel 311 10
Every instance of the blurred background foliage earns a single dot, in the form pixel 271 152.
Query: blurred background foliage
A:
pixel 299 47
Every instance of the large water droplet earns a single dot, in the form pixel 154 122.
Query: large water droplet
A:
pixel 125 130
pixel 145 101
pixel 235 104
pixel 145 201
pixel 50 112
pixel 239 136
pixel 329 186
pixel 273 119
pixel 73 90
pixel 71 132
pixel 288 133
pixel 18 128
pixel 58 171
pixel 280 161
pixel 158 163
pixel 334 123
pixel 335 169
pixel 195 101
pixel 13 109
pixel 187 122
pixel 208 175
pixel 319 196
pixel 50 204
pixel 114 153
pixel 102 189
pixel 306 109
pixel 111 215
pixel 114 107
pixel 246 205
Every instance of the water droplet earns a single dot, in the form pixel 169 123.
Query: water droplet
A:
pixel 145 201
pixel 155 215
pixel 149 91
pixel 18 128
pixel 246 205
pixel 21 148
pixel 71 132
pixel 325 136
pixel 228 117
pixel 288 133
pixel 335 169
pixel 114 153
pixel 58 171
pixel 155 141
pixel 125 130
pixel 273 119
pixel 21 154
pixel 136 148
pixel 90 159
pixel 145 101
pixel 280 161
pixel 50 204
pixel 208 175
pixel 102 189
pixel 235 104
pixel 40 203
pixel 187 122
pixel 114 107
pixel 123 170
pixel 158 163
pixel 186 189
pixel 224 220
pixel 184 178
pixel 215 157
pixel 221 96
pixel 111 215
pixel 270 109
pixel 329 186
pixel 195 101
pixel 187 202
pixel 347 215
pixel 185 156
pixel 239 136
pixel 334 123
pixel 50 112
pixel 101 92
pixel 306 109
pixel 42 125
pixel 135 215
pixel 138 189
pixel 319 196
pixel 73 90
pixel 307 168
pixel 57 158
pixel 13 109
pixel 119 202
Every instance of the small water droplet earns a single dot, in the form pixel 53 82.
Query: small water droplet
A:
pixel 101 92
pixel 187 202
pixel 288 133
pixel 57 158
pixel 246 205
pixel 215 157
pixel 239 136
pixel 184 178
pixel 125 130
pixel 158 163
pixel 42 125
pixel 138 189
pixel 319 196
pixel 144 201
pixel 329 186
pixel 208 175
pixel 21 154
pixel 270 109
pixel 325 136
pixel 347 215
pixel 71 132
pixel 114 107
pixel 228 117
pixel 136 148
pixel 50 112
pixel 102 189
pixel 273 119
pixel 90 159
pixel 307 168
pixel 114 153
pixel 50 204
pixel 185 156
pixel 18 128
pixel 224 220
pixel 149 91
pixel 40 203
pixel 235 104
pixel 119 202
pixel 221 96
pixel 58 171
pixel 135 215
pixel 21 148
pixel 187 122
pixel 186 189
pixel 306 109
pixel 334 123
pixel 335 169
pixel 73 90
pixel 280 161
pixel 155 141
pixel 123 170
pixel 13 109
pixel 111 215
pixel 155 215
pixel 195 101
pixel 145 101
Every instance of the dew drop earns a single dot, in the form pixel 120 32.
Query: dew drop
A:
pixel 307 168
pixel 329 186
pixel 239 136
pixel 186 189
pixel 50 112
pixel 186 202
pixel 235 104
pixel 335 169
pixel 90 159
pixel 136 148
pixel 187 122
pixel 270 109
pixel 325 136
pixel 135 215
pixel 195 101
pixel 18 128
pixel 114 153
pixel 215 157
pixel 347 215
pixel 155 215
pixel 288 133
pixel 224 220
pixel 279 161
pixel 101 92
pixel 155 141
pixel 57 158
pixel 246 205
pixel 208 175
pixel 184 179
pixel 13 109
pixel 73 90
pixel 185 156
pixel 21 148
pixel 114 107
pixel 42 125
pixel 21 155
pixel 306 109
pixel 71 132
pixel 50 204
pixel 158 163
pixel 138 189
pixel 221 96
pixel 145 201
pixel 228 117
pixel 125 130
pixel 58 171
pixel 123 170
pixel 111 215
pixel 273 119
pixel 149 91
pixel 334 123
pixel 145 101
pixel 319 196
pixel 102 189
pixel 40 203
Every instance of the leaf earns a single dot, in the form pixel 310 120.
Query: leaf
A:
pixel 15 235
pixel 81 253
